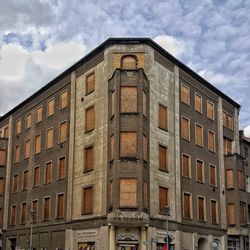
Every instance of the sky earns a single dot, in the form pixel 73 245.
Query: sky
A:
pixel 41 38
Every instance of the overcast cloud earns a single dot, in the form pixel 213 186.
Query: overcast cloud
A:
pixel 39 39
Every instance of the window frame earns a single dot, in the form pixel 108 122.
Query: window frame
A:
pixel 43 214
pixel 213 105
pixel 36 116
pixel 165 108
pixel 204 209
pixel 215 171
pixel 190 204
pixel 201 102
pixel 28 116
pixel 50 100
pixel 88 92
pixel 202 172
pixel 45 172
pixel 40 145
pixel 83 205
pixel 61 107
pixel 58 168
pixel 88 130
pixel 181 94
pixel 217 214
pixel 214 141
pixel 188 120
pixel 60 138
pixel 85 169
pixel 202 135
pixel 47 130
pixel 189 165
pixel 57 206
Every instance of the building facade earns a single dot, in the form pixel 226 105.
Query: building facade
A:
pixel 92 160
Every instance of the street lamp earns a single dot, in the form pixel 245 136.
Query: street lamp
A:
pixel 32 216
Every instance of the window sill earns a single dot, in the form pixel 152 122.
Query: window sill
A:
pixel 90 92
pixel 203 221
pixel 132 158
pixel 47 183
pixel 88 171
pixel 60 179
pixel 212 151
pixel 186 218
pixel 201 182
pixel 164 129
pixel 89 131
pixel 185 139
pixel 164 170
pixel 186 177
pixel 87 213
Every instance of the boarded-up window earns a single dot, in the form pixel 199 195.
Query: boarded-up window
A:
pixel 242 213
pixel 39 114
pixel 13 215
pixel 185 128
pixel 224 119
pixel 63 132
pixel 163 117
pixel 27 149
pixel 6 132
pixel 87 206
pixel 186 165
pixel 185 94
pixel 17 153
pixel 18 127
pixel 129 62
pixel 128 99
pixel 199 171
pixel 49 138
pixel 2 186
pixel 210 110
pixel 198 103
pixel 128 192
pixel 227 146
pixel 46 208
pixel 112 147
pixel 201 208
pixel 187 206
pixel 38 144
pixel 110 193
pixel 214 219
pixel 231 214
pixel 90 119
pixel 35 209
pixel 48 172
pixel 23 213
pixel 211 141
pixel 241 181
pixel 90 83
pixel 113 103
pixel 144 107
pixel 64 99
pixel 145 194
pixel 89 158
pixel 60 206
pixel 145 147
pixel 36 177
pixel 163 158
pixel 163 199
pixel 230 122
pixel 61 167
pixel 15 183
pixel 2 157
pixel 28 121
pixel 198 135
pixel 50 107
pixel 25 179
pixel 1 217
pixel 212 173
pixel 229 179
pixel 128 144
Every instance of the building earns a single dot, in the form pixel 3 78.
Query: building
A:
pixel 100 152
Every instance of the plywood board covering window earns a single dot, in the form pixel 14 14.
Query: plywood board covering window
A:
pixel 28 121
pixel 49 138
pixel 128 99
pixel 63 132
pixel 198 103
pixel 230 122
pixel 163 158
pixel 46 208
pixel 211 141
pixel 186 165
pixel 64 99
pixel 27 149
pixel 229 179
pixel 50 107
pixel 187 206
pixel 128 192
pixel 1 217
pixel 210 110
pixel 201 208
pixel 212 174
pixel 2 186
pixel 61 167
pixel 163 199
pixel 185 94
pixel 113 103
pixel 224 119
pixel 2 157
pixel 36 177
pixel 214 219
pixel 23 213
pixel 90 119
pixel 145 194
pixel 198 135
pixel 39 114
pixel 145 147
pixel 38 144
pixel 60 205
pixel 35 209
pixel 227 146
pixel 242 213
pixel 90 83
pixel 112 147
pixel 87 206
pixel 185 128
pixel 17 153
pixel 13 215
pixel 15 184
pixel 231 213
pixel 48 172
pixel 25 179
pixel 144 103
pixel 128 144
pixel 199 171
pixel 163 117
pixel 129 62
pixel 18 126
pixel 89 158
pixel 241 181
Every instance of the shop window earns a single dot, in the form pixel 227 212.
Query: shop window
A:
pixel 90 83
pixel 90 119
pixel 128 99
pixel 163 158
pixel 128 144
pixel 128 192
pixel 163 199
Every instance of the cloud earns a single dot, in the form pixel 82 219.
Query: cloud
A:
pixel 247 131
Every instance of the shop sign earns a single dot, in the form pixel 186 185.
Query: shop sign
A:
pixel 86 233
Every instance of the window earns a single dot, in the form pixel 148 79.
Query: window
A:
pixel 28 121
pixel 198 103
pixel 2 186
pixel 242 213
pixel 110 193
pixel 6 132
pixel 36 177
pixel 163 117
pixel 15 183
pixel 1 217
pixel 38 144
pixel 128 99
pixel 163 199
pixel 187 206
pixel 46 208
pixel 185 94
pixel 128 144
pixel 61 167
pixel 113 103
pixel 231 214
pixel 64 99
pixel 112 147
pixel 60 206
pixel 145 194
pixel 23 213
pixel 63 132
pixel 128 192
pixel 39 114
pixel 35 209
pixel 87 206
pixel 211 141
pixel 228 121
pixel 198 135
pixel 241 180
pixel 210 110
pixel 144 103
pixel 89 158
pixel 13 215
pixel 212 174
pixel 214 219
pixel 25 179
pixel 27 149
pixel 17 153
pixel 227 146
pixel 201 208
pixel 50 107
pixel 185 128
pixel 200 171
pixel 90 119
pixel 90 83
pixel 2 157
pixel 186 165
pixel 129 62
pixel 229 178
pixel 48 172
pixel 224 119
pixel 163 158
pixel 145 147
pixel 18 126
pixel 49 138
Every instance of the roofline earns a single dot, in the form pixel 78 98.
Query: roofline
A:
pixel 122 40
